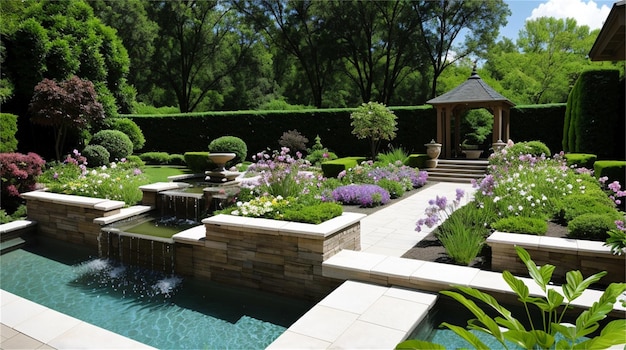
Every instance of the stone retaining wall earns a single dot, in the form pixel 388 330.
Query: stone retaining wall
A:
pixel 69 218
pixel 275 256
pixel 588 257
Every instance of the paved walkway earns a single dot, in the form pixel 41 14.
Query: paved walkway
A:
pixel 25 325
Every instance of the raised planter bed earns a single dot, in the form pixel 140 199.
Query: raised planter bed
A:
pixel 588 257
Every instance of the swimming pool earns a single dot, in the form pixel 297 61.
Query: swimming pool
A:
pixel 162 311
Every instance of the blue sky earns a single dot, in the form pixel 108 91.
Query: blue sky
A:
pixel 587 12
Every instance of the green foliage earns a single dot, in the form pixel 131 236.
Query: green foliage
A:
pixel 375 122
pixel 141 108
pixel 552 304
pixel 312 214
pixel 176 159
pixel 293 140
pixel 617 240
pixel 155 158
pixel 96 155
pixel 535 148
pixel 417 161
pixel 332 168
pixel 476 125
pixel 615 170
pixel 198 162
pixel 520 224
pixel 228 144
pixel 8 129
pixel 128 127
pixel 578 204
pixel 320 156
pixel 463 233
pixel 592 114
pixel 18 214
pixel 591 226
pixel 134 161
pixel 395 189
pixel 115 141
pixel 396 155
pixel 580 160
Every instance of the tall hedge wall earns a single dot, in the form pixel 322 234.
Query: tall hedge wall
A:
pixel 262 129
pixel 591 117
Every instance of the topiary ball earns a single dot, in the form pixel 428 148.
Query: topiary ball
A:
pixel 96 155
pixel 115 141
pixel 128 127
pixel 230 144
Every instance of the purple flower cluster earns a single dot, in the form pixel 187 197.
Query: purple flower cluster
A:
pixel 485 185
pixel 79 160
pixel 363 195
pixel 439 209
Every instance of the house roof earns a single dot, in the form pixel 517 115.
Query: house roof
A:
pixel 473 90
pixel 609 45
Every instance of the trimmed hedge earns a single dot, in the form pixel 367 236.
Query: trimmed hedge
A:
pixel 417 161
pixel 615 170
pixel 260 130
pixel 592 115
pixel 581 160
pixel 198 162
pixel 116 142
pixel 332 168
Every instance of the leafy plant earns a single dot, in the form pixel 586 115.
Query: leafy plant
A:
pixel 293 140
pixel 476 124
pixel 8 129
pixel 463 233
pixel 552 305
pixel 157 158
pixel 375 122
pixel 520 224
pixel 617 238
pixel 69 105
pixel 128 127
pixel 392 157
pixel 18 174
pixel 96 155
pixel 230 144
pixel 590 226
pixel 116 142
pixel 365 195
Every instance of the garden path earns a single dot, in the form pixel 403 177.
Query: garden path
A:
pixel 391 230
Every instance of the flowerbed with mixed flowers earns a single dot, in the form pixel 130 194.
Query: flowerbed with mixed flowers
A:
pixel 117 181
pixel 523 189
pixel 280 184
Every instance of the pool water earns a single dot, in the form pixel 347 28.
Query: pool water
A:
pixel 166 312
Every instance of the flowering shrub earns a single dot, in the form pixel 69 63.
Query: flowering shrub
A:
pixel 282 174
pixel 439 210
pixel 117 181
pixel 18 173
pixel 266 206
pixel 366 195
pixel 370 173
pixel 279 208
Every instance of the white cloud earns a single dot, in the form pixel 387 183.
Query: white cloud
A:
pixel 584 12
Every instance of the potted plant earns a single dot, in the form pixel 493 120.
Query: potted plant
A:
pixel 477 124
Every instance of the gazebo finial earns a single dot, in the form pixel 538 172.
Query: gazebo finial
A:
pixel 474 74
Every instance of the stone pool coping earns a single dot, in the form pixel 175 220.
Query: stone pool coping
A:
pixel 380 318
pixel 28 325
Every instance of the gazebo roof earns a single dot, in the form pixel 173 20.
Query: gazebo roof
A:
pixel 609 45
pixel 474 90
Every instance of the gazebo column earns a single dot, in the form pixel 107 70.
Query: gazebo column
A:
pixel 497 125
pixel 440 113
pixel 448 137
pixel 506 124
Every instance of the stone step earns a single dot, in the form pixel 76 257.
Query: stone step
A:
pixel 12 244
pixel 458 170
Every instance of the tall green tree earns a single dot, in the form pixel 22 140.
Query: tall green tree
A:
pixel 199 44
pixel 378 41
pixel 298 28
pixel 137 32
pixel 442 21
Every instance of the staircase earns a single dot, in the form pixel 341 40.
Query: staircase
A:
pixel 458 170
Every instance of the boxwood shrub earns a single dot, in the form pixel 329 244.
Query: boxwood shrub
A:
pixel 198 162
pixel 520 224
pixel 591 226
pixel 96 155
pixel 230 144
pixel 115 141
pixel 580 160
pixel 155 158
pixel 332 168
pixel 615 170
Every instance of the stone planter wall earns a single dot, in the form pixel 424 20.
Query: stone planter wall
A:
pixel 588 257
pixel 276 256
pixel 69 218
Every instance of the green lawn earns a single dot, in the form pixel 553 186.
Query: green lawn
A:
pixel 159 173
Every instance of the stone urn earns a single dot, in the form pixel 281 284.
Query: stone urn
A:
pixel 220 174
pixel 433 150
pixel 498 146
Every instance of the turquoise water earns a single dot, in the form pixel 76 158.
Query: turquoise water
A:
pixel 161 311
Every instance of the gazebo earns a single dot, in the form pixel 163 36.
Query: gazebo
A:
pixel 471 94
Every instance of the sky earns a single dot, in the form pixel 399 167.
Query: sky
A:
pixel 585 12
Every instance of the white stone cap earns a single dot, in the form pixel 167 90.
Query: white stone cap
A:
pixel 16 225
pixel 73 200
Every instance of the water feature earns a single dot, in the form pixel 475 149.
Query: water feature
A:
pixel 157 309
